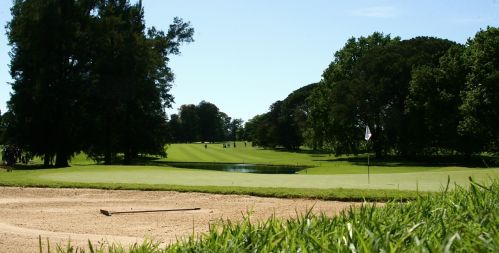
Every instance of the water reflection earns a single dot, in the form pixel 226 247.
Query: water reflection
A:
pixel 242 167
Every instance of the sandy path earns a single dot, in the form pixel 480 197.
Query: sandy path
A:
pixel 60 214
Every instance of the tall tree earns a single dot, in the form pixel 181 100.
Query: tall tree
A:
pixel 235 127
pixel 175 133
pixel 367 84
pixel 380 87
pixel 89 76
pixel 481 94
pixel 336 96
pixel 432 106
pixel 189 120
pixel 131 81
pixel 210 123
pixel 47 59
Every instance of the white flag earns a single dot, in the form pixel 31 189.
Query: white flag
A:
pixel 368 134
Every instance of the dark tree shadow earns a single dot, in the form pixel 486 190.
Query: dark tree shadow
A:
pixel 421 161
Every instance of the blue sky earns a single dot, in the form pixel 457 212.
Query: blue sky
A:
pixel 249 54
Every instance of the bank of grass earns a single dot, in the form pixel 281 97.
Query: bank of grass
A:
pixel 461 220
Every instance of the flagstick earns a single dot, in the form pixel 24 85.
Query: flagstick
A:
pixel 367 137
pixel 368 173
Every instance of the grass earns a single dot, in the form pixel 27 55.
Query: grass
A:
pixel 329 177
pixel 462 220
pixel 153 178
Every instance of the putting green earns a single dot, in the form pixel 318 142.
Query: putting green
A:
pixel 172 176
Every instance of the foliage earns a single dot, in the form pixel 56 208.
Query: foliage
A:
pixel 47 59
pixel 367 85
pixel 481 93
pixel 88 76
pixel 285 122
pixel 432 105
pixel 422 96
pixel 203 122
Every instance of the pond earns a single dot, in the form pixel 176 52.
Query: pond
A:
pixel 241 167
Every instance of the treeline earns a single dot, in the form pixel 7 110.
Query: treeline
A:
pixel 89 76
pixel 203 122
pixel 284 125
pixel 421 96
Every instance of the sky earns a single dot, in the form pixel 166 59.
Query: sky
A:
pixel 247 54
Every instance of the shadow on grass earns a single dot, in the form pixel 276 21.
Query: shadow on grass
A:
pixel 475 161
pixel 31 167
pixel 422 161
pixel 313 153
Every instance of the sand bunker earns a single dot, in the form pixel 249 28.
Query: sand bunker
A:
pixel 73 214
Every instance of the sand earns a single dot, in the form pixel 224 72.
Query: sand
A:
pixel 74 214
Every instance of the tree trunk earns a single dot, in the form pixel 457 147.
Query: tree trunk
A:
pixel 107 158
pixel 46 160
pixel 61 160
pixel 378 150
pixel 127 160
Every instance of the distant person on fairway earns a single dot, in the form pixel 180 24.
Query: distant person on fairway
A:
pixel 205 146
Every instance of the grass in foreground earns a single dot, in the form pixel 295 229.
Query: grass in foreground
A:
pixel 462 220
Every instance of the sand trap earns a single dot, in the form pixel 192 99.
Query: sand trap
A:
pixel 63 214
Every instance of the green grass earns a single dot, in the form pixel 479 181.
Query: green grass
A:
pixel 328 177
pixel 459 221
pixel 462 220
pixel 154 178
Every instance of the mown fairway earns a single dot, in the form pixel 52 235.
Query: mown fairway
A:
pixel 326 172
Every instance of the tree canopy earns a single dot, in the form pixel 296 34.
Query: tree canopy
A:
pixel 420 96
pixel 203 122
pixel 89 76
pixel 284 124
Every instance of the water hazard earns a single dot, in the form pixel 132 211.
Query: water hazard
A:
pixel 242 167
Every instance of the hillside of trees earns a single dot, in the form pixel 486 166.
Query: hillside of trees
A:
pixel 421 96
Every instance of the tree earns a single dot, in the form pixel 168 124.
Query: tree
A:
pixel 317 117
pixel 432 105
pixel 333 108
pixel 261 130
pixel 175 129
pixel 223 133
pixel 367 84
pixel 285 122
pixel 210 123
pixel 235 127
pixel 3 127
pixel 189 120
pixel 131 81
pixel 380 87
pixel 47 59
pixel 89 76
pixel 481 93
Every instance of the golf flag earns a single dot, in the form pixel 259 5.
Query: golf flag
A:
pixel 368 133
